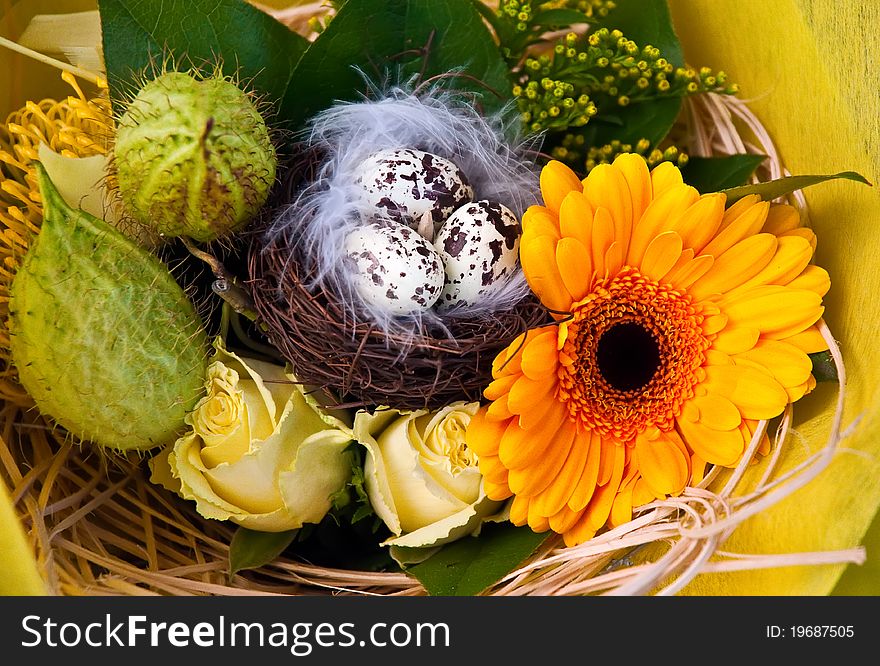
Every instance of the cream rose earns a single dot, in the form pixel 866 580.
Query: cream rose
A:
pixel 421 478
pixel 260 452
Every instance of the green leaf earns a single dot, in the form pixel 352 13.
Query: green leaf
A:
pixel 384 38
pixel 648 120
pixel 470 565
pixel 647 22
pixel 773 189
pixel 710 174
pixel 249 549
pixel 250 44
pixel 824 369
pixel 559 18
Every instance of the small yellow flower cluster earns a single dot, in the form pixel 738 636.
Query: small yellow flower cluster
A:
pixel 606 154
pixel 572 150
pixel 562 89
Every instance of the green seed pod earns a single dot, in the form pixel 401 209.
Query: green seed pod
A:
pixel 193 157
pixel 104 339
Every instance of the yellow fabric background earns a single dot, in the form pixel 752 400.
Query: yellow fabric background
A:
pixel 807 67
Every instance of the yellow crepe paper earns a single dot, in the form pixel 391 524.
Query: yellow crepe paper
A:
pixel 802 65
pixel 20 575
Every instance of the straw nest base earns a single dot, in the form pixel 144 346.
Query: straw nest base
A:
pixel 98 526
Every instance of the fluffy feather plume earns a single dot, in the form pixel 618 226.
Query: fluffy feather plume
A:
pixel 317 222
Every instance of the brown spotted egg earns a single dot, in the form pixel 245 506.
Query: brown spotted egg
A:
pixel 479 246
pixel 393 268
pixel 405 183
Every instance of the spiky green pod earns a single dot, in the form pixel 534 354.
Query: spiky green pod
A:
pixel 193 156
pixel 104 339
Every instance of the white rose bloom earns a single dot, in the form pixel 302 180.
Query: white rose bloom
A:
pixel 421 478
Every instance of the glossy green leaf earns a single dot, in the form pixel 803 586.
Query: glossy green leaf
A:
pixel 824 369
pixel 648 120
pixel 250 44
pixel 559 18
pixel 711 174
pixel 250 549
pixel 385 41
pixel 773 189
pixel 470 565
pixel 646 22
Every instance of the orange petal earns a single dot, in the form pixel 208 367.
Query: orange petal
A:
pixel 508 360
pixel 719 447
pixel 538 258
pixel 522 449
pixel 551 500
pixel 498 409
pixel 655 220
pixel 588 481
pixel 688 273
pixel 782 218
pixel 748 222
pixel 663 465
pixel 482 435
pixel 777 312
pixel 789 365
pixel 613 259
pixel 599 508
pixel 537 476
pixel 736 339
pixel 539 355
pixel 527 394
pixel 699 223
pixel 789 261
pixel 538 221
pixel 732 268
pixel 622 507
pixel 662 254
pixel 813 278
pixel 756 394
pixel 809 341
pixel 576 218
pixel 716 412
pixel 499 387
pixel 603 237
pixel 605 187
pixel 638 179
pixel 557 180
pixel 575 267
pixel 664 176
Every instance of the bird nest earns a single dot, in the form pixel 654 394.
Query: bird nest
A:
pixel 354 361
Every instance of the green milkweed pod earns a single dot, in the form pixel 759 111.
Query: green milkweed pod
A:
pixel 193 156
pixel 104 339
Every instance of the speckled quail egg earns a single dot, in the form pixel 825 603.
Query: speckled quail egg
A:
pixel 479 246
pixel 393 268
pixel 405 183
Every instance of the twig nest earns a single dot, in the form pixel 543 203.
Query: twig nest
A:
pixel 393 202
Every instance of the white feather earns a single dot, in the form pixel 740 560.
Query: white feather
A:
pixel 436 121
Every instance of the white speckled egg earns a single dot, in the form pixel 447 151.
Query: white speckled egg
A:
pixel 393 268
pixel 405 183
pixel 479 246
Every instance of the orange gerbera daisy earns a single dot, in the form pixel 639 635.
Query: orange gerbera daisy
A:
pixel 680 326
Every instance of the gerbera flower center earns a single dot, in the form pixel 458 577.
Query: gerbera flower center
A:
pixel 631 355
pixel 628 356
